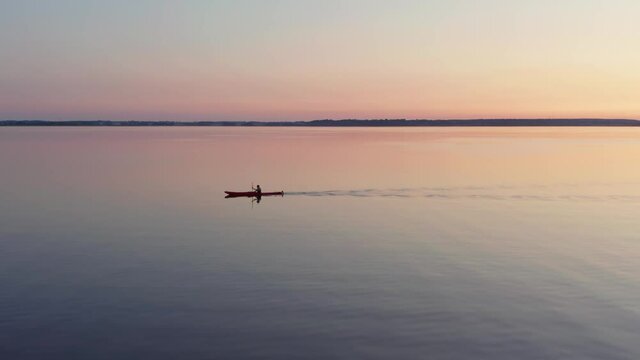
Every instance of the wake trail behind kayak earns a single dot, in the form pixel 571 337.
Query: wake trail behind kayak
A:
pixel 502 192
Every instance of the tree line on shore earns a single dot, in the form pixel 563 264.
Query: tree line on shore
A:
pixel 337 123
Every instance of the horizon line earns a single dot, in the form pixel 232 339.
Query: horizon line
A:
pixel 489 122
pixel 328 119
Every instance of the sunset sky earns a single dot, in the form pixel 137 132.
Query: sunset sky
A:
pixel 303 60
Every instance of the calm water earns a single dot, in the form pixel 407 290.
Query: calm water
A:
pixel 465 243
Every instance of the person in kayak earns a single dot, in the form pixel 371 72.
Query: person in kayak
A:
pixel 258 195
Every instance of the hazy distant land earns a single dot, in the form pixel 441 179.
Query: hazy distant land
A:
pixel 337 123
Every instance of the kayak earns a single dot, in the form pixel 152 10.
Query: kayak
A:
pixel 252 193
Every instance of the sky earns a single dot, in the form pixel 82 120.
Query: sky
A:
pixel 304 60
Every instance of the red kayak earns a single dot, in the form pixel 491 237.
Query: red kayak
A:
pixel 252 193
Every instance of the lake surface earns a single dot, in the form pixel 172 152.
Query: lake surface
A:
pixel 390 243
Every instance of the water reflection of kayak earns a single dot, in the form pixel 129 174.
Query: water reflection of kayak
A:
pixel 252 193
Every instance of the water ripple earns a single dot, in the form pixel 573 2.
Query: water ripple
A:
pixel 502 192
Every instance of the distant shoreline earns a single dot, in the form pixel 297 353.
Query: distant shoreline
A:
pixel 336 123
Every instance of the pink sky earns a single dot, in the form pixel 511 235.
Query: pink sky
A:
pixel 288 60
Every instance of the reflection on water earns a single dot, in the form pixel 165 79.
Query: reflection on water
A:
pixel 388 243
